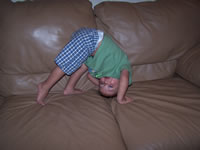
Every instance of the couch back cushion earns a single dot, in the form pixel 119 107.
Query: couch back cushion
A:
pixel 32 34
pixel 188 65
pixel 153 34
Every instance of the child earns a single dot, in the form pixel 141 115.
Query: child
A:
pixel 92 50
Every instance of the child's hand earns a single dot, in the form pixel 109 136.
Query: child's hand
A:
pixel 125 100
pixel 72 91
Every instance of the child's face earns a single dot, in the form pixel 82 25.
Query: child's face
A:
pixel 108 86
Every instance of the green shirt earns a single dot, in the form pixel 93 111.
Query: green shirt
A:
pixel 108 61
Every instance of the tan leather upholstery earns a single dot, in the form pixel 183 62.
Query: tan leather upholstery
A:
pixel 161 40
pixel 152 34
pixel 33 33
pixel 164 116
pixel 189 66
pixel 84 122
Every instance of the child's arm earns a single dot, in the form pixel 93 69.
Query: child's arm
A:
pixel 123 86
pixel 70 88
pixel 93 80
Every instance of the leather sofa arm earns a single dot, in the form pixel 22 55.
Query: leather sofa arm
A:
pixel 188 66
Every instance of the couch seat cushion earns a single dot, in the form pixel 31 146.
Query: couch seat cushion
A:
pixel 164 116
pixel 78 122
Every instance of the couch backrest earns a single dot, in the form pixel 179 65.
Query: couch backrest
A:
pixel 32 34
pixel 153 34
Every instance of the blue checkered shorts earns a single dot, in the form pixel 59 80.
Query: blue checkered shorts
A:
pixel 80 47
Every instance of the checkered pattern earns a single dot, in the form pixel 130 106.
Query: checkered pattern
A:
pixel 80 47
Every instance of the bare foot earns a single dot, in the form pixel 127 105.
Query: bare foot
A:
pixel 42 94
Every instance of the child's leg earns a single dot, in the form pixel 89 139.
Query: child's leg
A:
pixel 70 87
pixel 44 87
pixel 95 81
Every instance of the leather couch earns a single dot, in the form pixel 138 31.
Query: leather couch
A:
pixel 162 41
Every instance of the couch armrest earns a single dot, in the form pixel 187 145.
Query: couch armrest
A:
pixel 188 66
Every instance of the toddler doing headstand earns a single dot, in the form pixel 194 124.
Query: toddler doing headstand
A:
pixel 93 51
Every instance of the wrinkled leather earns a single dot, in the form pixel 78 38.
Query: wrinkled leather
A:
pixel 152 33
pixel 189 64
pixel 32 34
pixel 66 122
pixel 154 71
pixel 159 38
pixel 164 116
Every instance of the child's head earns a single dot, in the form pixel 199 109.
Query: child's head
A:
pixel 108 86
